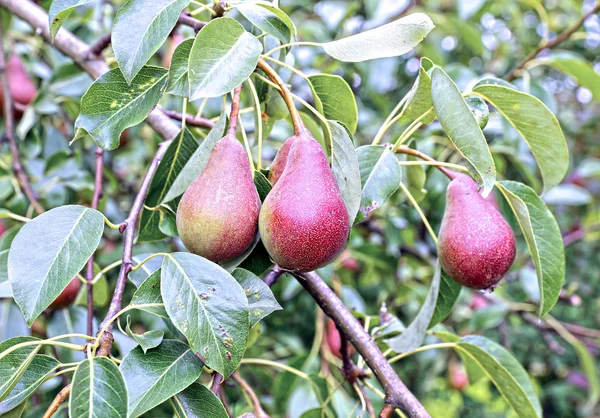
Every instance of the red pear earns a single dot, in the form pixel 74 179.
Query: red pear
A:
pixel 280 160
pixel 476 245
pixel 334 340
pixel 68 295
pixel 217 217
pixel 304 223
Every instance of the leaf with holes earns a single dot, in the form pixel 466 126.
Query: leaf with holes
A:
pixel 209 307
pixel 48 252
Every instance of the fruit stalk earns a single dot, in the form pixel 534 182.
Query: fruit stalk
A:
pixel 403 149
pixel 235 110
pixel 396 393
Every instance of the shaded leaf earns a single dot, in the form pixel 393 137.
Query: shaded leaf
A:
pixel 269 19
pixel 178 82
pixel 60 10
pixel 197 401
pixel 148 298
pixel 261 301
pixel 149 267
pixel 147 340
pixel 447 297
pixel 334 99
pixel 345 168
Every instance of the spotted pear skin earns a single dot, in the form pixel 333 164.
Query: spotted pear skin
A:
pixel 476 245
pixel 217 217
pixel 304 224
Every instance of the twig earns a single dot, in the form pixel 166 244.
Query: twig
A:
pixel 403 149
pixel 89 276
pixel 215 385
pixel 95 50
pixel 272 276
pixel 387 411
pixel 9 133
pixel 368 402
pixel 190 120
pixel 350 370
pixel 128 227
pixel 258 410
pixel 188 20
pixel 551 44
pixel 60 398
pixel 396 393
pixel 285 94
pixel 224 402
pixel 235 111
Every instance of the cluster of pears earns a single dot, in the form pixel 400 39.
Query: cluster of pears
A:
pixel 303 221
pixel 476 245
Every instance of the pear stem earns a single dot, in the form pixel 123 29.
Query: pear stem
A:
pixel 286 94
pixel 403 149
pixel 235 110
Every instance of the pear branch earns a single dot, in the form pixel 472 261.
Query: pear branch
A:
pixel 235 110
pixel 551 44
pixel 60 398
pixel 285 94
pixel 259 412
pixel 190 120
pixel 403 149
pixel 9 133
pixel 397 395
pixel 97 47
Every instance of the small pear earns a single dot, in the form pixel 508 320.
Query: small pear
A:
pixel 280 160
pixel 217 217
pixel 22 88
pixel 304 223
pixel 476 245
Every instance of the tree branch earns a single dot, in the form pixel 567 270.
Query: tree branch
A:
pixel 259 412
pixel 9 133
pixel 95 49
pixel 190 120
pixel 60 398
pixel 187 20
pixel 551 44
pixel 396 393
pixel 273 275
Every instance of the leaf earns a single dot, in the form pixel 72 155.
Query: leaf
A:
pixel 98 390
pixel 222 57
pixel 37 372
pixel 5 289
pixel 59 11
pixel 48 252
pixel 209 307
pixel 334 99
pixel 146 269
pixel 479 109
pixel 390 40
pixel 14 364
pixel 178 82
pixel 588 365
pixel 543 238
pixel 263 185
pixel 195 164
pixel 380 176
pixel 269 19
pixel 230 265
pixel 578 68
pixel 419 97
pixel 197 401
pixel 139 29
pixel 154 377
pixel 447 297
pixel 538 127
pixel 345 168
pixel 148 298
pixel 412 337
pixel 462 128
pixel 505 372
pixel 147 340
pixel 69 321
pixel 261 301
pixel 112 105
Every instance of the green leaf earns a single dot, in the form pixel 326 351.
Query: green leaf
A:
pixel 167 223
pixel 14 364
pixel 588 365
pixel 48 252
pixel 150 226
pixel 154 377
pixel 334 99
pixel 5 289
pixel 345 168
pixel 380 176
pixel 412 337
pixel 195 164
pixel 543 238
pixel 263 185
pixel 505 372
pixel 112 105
pixel 209 307
pixel 447 297
pixel 98 390
pixel 69 321
pixel 37 372
pixel 419 97
pixel 390 40
pixel 59 11
pixel 147 340
pixel 538 127
pixel 145 270
pixel 269 19
pixel 261 301
pixel 148 298
pixel 178 82
pixel 462 128
pixel 223 55
pixel 578 68
pixel 479 109
pixel 197 401
pixel 140 28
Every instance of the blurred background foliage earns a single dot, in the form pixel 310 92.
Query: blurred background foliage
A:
pixel 389 261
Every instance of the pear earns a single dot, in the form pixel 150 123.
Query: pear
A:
pixel 217 217
pixel 280 160
pixel 476 245
pixel 21 87
pixel 67 296
pixel 304 223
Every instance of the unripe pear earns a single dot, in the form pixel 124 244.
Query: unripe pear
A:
pixel 217 217
pixel 280 160
pixel 67 296
pixel 476 245
pixel 304 223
